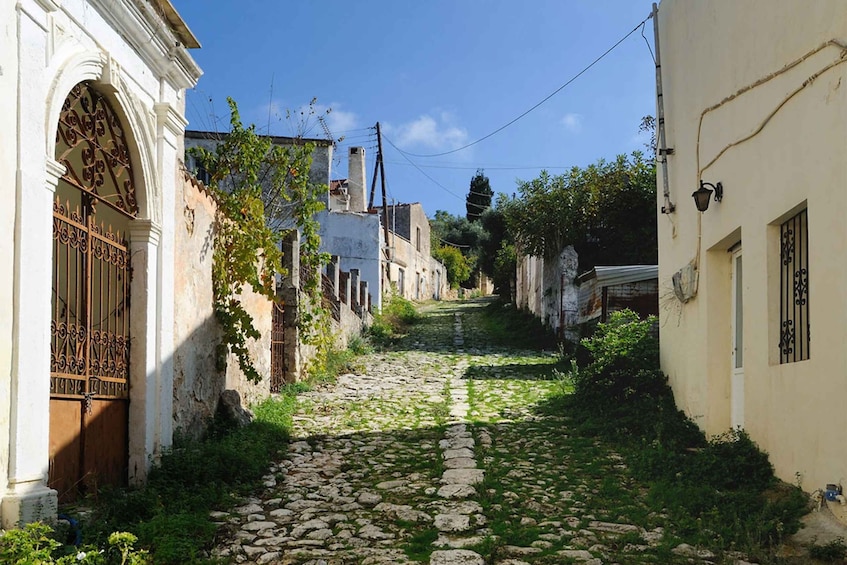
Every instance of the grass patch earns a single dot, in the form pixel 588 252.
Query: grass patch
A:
pixel 397 315
pixel 419 547
pixel 504 324
pixel 170 514
pixel 719 493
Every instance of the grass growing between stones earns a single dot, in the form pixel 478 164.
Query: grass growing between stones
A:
pixel 170 514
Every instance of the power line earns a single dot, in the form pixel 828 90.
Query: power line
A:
pixel 438 184
pixel 548 97
pixel 496 168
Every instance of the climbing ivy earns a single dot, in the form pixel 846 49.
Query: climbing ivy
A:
pixel 248 172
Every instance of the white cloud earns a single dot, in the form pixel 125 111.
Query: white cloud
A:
pixel 572 122
pixel 434 133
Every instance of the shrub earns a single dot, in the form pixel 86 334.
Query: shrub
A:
pixel 720 492
pixel 34 545
pixel 396 316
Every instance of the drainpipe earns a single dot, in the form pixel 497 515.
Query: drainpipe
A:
pixel 663 151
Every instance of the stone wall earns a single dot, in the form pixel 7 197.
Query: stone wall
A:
pixel 545 287
pixel 198 381
pixel 202 368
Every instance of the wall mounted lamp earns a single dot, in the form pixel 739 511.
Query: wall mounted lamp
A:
pixel 703 194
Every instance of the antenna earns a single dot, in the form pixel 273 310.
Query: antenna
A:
pixel 326 129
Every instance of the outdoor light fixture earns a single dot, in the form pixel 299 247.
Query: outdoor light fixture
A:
pixel 702 195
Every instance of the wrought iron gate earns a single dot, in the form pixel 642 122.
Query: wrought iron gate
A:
pixel 278 347
pixel 90 341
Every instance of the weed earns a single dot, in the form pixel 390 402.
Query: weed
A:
pixel 504 324
pixel 419 547
pixel 170 513
pixel 832 551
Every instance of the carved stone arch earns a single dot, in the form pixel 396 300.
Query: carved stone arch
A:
pixel 99 69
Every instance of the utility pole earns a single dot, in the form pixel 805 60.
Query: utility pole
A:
pixel 381 165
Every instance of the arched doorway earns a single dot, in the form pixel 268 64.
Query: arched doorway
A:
pixel 90 341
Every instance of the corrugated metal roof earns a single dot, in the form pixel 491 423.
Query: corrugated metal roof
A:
pixel 591 284
pixel 620 274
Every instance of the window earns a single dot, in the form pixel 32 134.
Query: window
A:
pixel 794 289
pixel 418 239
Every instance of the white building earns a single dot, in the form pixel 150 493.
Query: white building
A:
pixel 94 98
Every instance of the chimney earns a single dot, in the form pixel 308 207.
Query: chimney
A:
pixel 356 180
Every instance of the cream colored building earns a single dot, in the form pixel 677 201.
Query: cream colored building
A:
pixel 753 329
pixel 93 98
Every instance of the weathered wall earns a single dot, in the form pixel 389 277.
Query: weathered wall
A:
pixel 406 220
pixel 539 288
pixel 261 309
pixel 198 381
pixel 777 145
pixel 424 278
pixel 201 372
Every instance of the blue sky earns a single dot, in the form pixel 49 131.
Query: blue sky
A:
pixel 437 75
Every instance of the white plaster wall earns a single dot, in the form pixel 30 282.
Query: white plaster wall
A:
pixel 711 51
pixel 357 240
pixel 8 151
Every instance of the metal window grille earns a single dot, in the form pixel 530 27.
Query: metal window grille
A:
pixel 794 335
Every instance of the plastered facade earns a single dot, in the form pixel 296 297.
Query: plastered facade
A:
pixel 135 54
pixel 755 97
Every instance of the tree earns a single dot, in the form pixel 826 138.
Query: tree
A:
pixel 606 211
pixel 458 268
pixel 479 196
pixel 447 230
pixel 246 171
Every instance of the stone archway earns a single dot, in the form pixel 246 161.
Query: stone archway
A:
pixel 90 342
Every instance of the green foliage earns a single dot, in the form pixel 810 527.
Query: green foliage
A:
pixel 29 545
pixel 504 324
pixel 719 493
pixel 832 551
pixel 394 320
pixel 252 176
pixel 479 196
pixel 606 211
pixel 34 545
pixel 458 267
pixel 624 341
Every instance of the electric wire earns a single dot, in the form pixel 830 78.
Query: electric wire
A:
pixel 438 184
pixel 548 97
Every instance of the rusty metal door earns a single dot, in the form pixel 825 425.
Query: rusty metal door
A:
pixel 90 341
pixel 278 347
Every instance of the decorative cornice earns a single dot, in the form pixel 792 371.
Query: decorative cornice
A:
pixel 168 116
pixel 145 231
pixel 153 37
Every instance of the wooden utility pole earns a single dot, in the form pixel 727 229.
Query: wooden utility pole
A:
pixel 381 164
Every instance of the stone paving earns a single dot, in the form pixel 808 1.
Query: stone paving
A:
pixel 435 455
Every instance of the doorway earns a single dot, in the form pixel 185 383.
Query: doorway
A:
pixel 737 332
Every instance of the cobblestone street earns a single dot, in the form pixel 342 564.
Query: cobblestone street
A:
pixel 436 454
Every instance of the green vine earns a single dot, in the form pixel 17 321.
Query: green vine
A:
pixel 251 176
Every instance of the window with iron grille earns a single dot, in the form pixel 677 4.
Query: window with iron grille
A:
pixel 794 289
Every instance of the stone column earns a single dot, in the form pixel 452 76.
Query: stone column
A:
pixel 363 295
pixel 334 269
pixel 354 288
pixel 290 293
pixel 347 295
pixel 27 497
pixel 144 366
